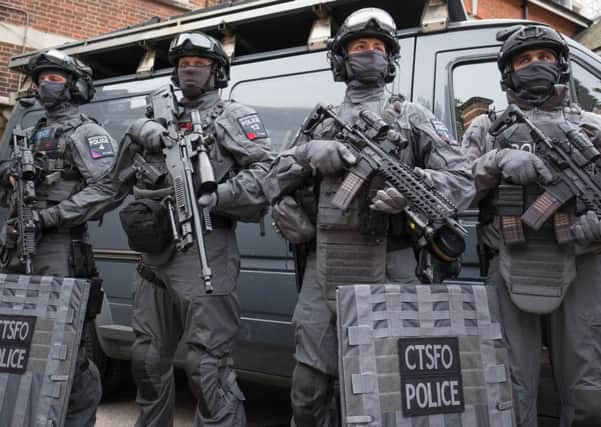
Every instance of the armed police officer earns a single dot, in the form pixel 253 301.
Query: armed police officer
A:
pixel 171 302
pixel 369 242
pixel 72 158
pixel 548 269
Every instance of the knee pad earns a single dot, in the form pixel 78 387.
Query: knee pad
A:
pixel 587 408
pixel 148 367
pixel 213 382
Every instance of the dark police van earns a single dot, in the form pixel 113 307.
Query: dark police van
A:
pixel 448 64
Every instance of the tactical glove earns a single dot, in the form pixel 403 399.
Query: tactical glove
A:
pixel 151 136
pixel 208 201
pixel 326 156
pixel 291 221
pixel 587 229
pixel 6 169
pixel 522 167
pixel 389 201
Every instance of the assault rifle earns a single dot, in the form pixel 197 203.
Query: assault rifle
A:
pixel 183 152
pixel 376 146
pixel 24 199
pixel 568 162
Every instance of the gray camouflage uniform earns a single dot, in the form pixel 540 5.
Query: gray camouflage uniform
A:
pixel 175 306
pixel 313 397
pixel 73 186
pixel 575 326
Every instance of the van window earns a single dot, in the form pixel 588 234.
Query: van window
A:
pixel 475 87
pixel 284 102
pixel 588 88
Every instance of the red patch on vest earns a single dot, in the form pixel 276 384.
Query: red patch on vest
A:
pixel 187 126
pixel 251 136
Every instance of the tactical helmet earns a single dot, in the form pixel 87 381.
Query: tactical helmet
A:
pixel 367 22
pixel 199 44
pixel 524 37
pixel 80 81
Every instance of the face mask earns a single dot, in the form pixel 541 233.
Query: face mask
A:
pixel 53 95
pixel 368 67
pixel 535 82
pixel 194 81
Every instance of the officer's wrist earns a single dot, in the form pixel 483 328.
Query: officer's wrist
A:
pixel 48 218
pixel 225 194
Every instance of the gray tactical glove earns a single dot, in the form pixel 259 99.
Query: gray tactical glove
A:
pixel 208 201
pixel 521 167
pixel 587 229
pixel 326 156
pixel 151 136
pixel 389 201
pixel 291 221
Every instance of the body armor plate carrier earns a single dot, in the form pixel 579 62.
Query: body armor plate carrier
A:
pixel 419 355
pixel 346 254
pixel 41 324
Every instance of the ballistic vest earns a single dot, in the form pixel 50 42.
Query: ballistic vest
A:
pixel 57 176
pixel 421 355
pixel 41 324
pixel 537 266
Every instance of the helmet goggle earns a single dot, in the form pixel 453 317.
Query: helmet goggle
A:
pixel 362 18
pixel 195 39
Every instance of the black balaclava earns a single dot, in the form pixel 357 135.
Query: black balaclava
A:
pixel 196 80
pixel 55 96
pixel 535 83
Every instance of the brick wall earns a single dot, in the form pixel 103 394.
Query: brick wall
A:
pixel 80 19
pixel 8 80
pixel 491 9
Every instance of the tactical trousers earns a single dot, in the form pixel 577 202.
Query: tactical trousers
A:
pixel 52 259
pixel 179 309
pixel 316 371
pixel 575 347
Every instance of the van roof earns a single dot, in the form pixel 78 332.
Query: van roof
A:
pixel 247 27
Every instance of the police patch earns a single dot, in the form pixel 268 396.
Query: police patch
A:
pixel 100 147
pixel 442 131
pixel 252 126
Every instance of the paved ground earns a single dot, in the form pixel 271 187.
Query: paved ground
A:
pixel 266 406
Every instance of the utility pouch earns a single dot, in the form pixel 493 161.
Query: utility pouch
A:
pixel 146 224
pixel 510 206
pixel 538 273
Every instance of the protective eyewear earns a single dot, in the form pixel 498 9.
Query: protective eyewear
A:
pixel 195 39
pixel 360 20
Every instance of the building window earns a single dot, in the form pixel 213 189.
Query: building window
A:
pixel 476 88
